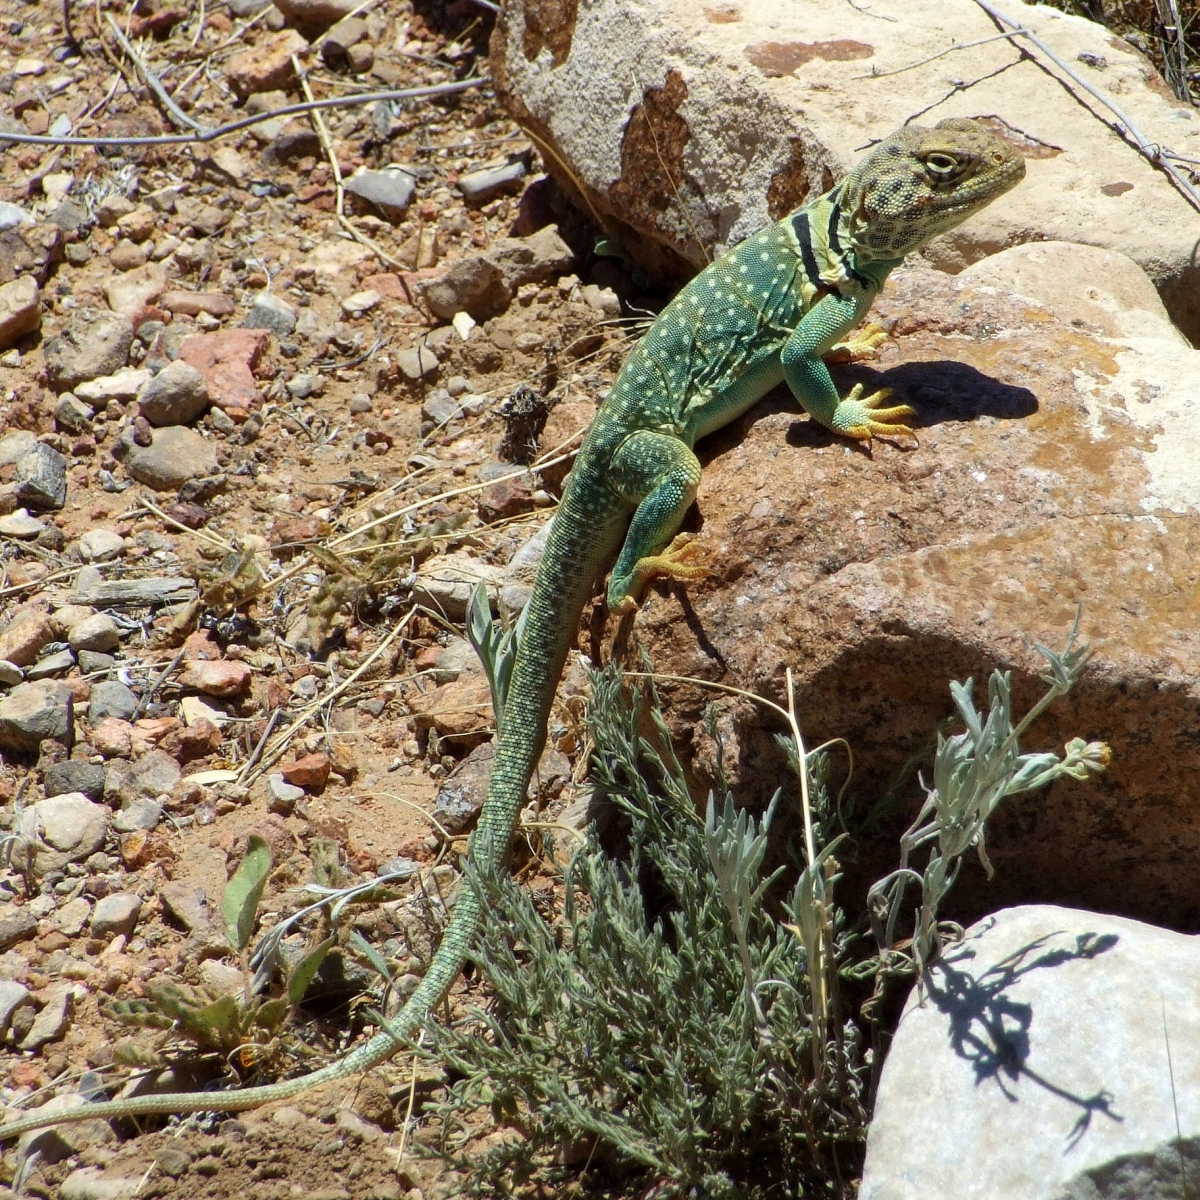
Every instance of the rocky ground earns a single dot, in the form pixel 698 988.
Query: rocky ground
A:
pixel 259 434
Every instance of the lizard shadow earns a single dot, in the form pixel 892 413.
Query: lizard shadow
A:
pixel 942 391
pixel 946 390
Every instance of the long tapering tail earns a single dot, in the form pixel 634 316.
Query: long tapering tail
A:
pixel 587 529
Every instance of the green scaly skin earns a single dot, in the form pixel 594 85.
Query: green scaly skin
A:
pixel 766 312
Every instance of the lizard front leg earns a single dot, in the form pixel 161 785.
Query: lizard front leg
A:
pixel 659 473
pixel 807 375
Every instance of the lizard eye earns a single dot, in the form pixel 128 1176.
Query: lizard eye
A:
pixel 943 166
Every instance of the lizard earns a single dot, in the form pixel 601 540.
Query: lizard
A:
pixel 769 311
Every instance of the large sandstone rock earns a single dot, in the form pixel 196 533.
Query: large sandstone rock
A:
pixel 1053 1058
pixel 694 125
pixel 1056 467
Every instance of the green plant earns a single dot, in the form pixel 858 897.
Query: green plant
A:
pixel 496 646
pixel 670 1027
pixel 973 772
pixel 664 1026
pixel 241 1027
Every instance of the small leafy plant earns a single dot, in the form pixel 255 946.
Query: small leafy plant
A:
pixel 240 1028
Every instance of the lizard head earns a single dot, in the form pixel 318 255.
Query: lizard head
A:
pixel 921 182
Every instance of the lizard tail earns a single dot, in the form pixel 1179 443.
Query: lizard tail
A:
pixel 587 529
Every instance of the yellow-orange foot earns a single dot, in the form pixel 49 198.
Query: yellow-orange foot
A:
pixel 860 416
pixel 684 559
pixel 864 344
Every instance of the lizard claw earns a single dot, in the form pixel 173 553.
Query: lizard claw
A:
pixel 864 344
pixel 859 416
pixel 683 559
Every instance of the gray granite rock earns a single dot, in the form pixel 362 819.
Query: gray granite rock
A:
pixel 93 342
pixel 281 795
pixel 53 1019
pixel 111 698
pixel 97 632
pixel 17 924
pixel 417 362
pixel 140 812
pixel 176 395
pixel 175 455
pixel 34 711
pixel 392 191
pixel 272 313
pixel 74 775
pixel 57 662
pixel 62 829
pixel 480 187
pixel 13 995
pixel 116 914
pixel 73 414
pixel 42 478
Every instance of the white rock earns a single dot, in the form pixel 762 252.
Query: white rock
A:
pixel 15 446
pixel 52 1021
pixel 124 385
pixel 12 216
pixel 98 632
pixel 518 576
pixel 1081 285
pixel 63 829
pixel 116 914
pixel 358 303
pixel 193 709
pixel 100 545
pixel 1053 1056
pixel 445 583
pixel 20 312
pixel 73 916
pixel 87 1183
pixel 56 185
pixel 20 524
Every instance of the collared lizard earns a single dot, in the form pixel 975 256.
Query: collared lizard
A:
pixel 767 312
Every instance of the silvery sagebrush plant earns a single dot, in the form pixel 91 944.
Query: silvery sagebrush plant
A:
pixel 973 772
pixel 679 1024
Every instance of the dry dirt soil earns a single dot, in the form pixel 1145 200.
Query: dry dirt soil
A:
pixel 340 470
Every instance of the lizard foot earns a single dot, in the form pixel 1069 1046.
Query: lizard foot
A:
pixel 864 344
pixel 683 559
pixel 859 416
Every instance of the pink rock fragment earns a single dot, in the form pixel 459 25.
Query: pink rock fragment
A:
pixel 227 359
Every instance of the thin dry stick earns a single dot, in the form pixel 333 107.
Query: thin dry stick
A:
pixel 1141 143
pixel 199 26
pixel 153 82
pixel 204 534
pixel 344 221
pixel 466 489
pixel 412 1101
pixel 248 775
pixel 183 139
pixel 995 37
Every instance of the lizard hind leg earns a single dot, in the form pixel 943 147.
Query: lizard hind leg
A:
pixel 684 559
pixel 659 473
